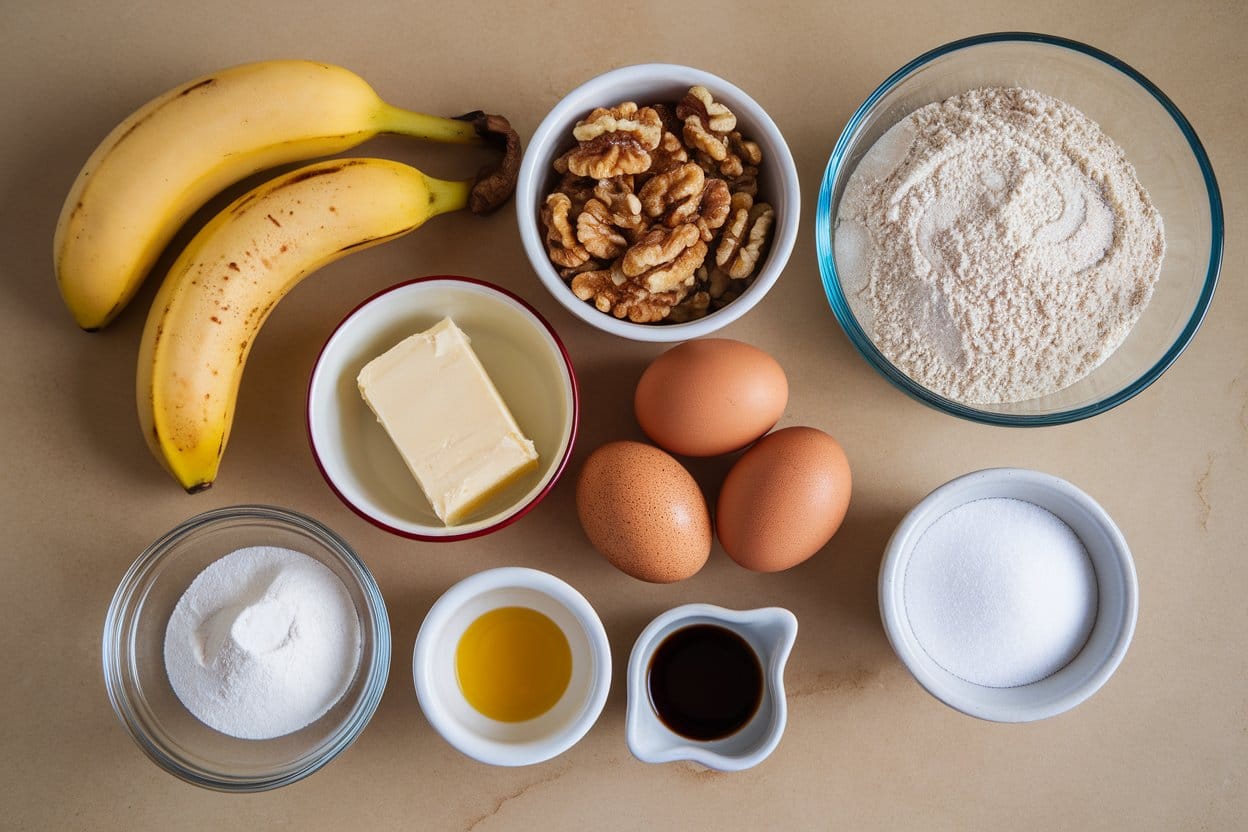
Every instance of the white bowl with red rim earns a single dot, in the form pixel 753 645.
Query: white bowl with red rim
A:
pixel 520 351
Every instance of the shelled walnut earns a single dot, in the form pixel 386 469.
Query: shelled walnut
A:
pixel 561 243
pixel 613 293
pixel 654 218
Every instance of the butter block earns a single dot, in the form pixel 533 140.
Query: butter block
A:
pixel 447 420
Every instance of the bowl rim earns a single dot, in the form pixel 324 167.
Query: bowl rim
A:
pixel 377 672
pixel 517 513
pixel 494 752
pixel 862 343
pixel 785 234
pixel 890 585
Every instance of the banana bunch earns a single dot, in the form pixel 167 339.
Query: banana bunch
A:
pixel 168 158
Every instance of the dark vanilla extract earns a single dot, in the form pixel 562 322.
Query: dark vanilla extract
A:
pixel 705 682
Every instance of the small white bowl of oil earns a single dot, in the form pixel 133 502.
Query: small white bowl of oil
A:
pixel 512 666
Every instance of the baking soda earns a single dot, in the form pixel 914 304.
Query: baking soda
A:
pixel 1000 593
pixel 263 642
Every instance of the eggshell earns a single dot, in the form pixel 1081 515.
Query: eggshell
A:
pixel 710 397
pixel 644 512
pixel 783 499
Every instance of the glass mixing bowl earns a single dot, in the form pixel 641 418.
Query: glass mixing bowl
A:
pixel 134 666
pixel 1158 141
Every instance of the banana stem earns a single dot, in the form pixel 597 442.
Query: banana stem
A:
pixel 445 197
pixel 391 119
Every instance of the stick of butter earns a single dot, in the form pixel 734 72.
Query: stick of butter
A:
pixel 445 416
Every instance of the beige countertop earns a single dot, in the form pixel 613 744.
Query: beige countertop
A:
pixel 1164 745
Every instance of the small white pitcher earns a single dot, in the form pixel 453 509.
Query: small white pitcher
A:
pixel 770 632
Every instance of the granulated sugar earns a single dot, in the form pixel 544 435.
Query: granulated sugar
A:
pixel 997 246
pixel 263 642
pixel 1000 592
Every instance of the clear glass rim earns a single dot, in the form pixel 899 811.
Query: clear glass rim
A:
pixel 862 343
pixel 376 672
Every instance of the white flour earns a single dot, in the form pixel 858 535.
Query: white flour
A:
pixel 263 642
pixel 997 246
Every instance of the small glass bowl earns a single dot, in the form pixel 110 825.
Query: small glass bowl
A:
pixel 1159 142
pixel 134 667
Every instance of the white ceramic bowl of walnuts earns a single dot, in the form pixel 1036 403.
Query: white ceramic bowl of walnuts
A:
pixel 658 202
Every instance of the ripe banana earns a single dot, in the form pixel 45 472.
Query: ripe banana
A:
pixel 230 276
pixel 166 160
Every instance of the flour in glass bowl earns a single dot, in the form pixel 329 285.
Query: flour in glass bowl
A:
pixel 263 642
pixel 997 246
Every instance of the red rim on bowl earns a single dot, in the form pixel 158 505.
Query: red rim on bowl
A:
pixel 522 510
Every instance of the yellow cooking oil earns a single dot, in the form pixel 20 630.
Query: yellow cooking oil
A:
pixel 513 664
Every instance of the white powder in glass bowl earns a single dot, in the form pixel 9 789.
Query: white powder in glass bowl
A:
pixel 997 246
pixel 263 642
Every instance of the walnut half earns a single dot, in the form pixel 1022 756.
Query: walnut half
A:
pixel 707 122
pixel 674 196
pixel 613 293
pixel 615 141
pixel 562 246
pixel 745 234
pixel 664 260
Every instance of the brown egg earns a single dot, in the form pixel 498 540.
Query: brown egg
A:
pixel 783 499
pixel 710 397
pixel 644 512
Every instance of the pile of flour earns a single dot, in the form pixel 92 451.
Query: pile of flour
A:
pixel 262 643
pixel 997 246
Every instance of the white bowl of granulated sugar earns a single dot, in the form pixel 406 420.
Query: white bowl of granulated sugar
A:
pixel 1019 229
pixel 1009 595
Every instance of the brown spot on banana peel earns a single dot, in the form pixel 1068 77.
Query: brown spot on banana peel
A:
pixel 494 183
pixel 297 177
pixel 367 241
pixel 305 175
pixel 197 85
pixel 243 201
pixel 207 82
pixel 131 130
